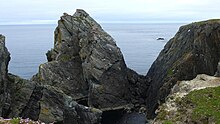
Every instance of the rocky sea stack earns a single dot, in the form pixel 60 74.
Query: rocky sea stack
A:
pixel 86 80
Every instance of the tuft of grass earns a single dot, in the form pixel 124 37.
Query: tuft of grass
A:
pixel 15 121
pixel 170 72
pixel 207 21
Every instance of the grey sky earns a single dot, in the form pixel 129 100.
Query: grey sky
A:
pixel 48 11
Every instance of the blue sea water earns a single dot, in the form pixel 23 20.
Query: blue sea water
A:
pixel 29 43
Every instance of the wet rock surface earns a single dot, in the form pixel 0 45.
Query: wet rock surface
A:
pixel 195 49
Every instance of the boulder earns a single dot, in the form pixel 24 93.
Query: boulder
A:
pixel 195 49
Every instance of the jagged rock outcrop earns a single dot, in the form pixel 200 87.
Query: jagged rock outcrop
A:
pixel 38 101
pixel 86 63
pixel 15 92
pixel 87 66
pixel 195 49
pixel 85 80
pixel 4 60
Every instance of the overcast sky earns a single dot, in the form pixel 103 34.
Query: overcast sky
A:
pixel 48 11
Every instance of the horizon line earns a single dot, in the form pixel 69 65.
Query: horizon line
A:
pixel 53 22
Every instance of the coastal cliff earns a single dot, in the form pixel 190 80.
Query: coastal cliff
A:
pixel 195 49
pixel 86 80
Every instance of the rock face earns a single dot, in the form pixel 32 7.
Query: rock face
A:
pixel 85 80
pixel 4 60
pixel 195 49
pixel 87 66
pixel 86 63
pixel 15 92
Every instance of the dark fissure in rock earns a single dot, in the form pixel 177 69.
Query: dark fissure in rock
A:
pixel 83 101
pixel 112 116
pixel 59 122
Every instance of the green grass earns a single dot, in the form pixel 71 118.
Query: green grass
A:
pixel 207 21
pixel 15 121
pixel 167 122
pixel 206 104
pixel 65 57
pixel 170 72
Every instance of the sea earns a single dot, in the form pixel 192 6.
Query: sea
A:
pixel 138 42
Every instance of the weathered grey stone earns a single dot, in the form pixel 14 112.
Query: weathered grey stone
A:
pixel 65 75
pixel 85 66
pixel 195 49
pixel 59 107
pixel 217 73
pixel 14 91
pixel 79 114
pixel 31 108
pixel 86 62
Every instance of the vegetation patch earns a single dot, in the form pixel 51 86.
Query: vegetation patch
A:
pixel 167 122
pixel 206 104
pixel 18 121
pixel 170 72
pixel 199 106
pixel 207 21
pixel 65 57
pixel 15 121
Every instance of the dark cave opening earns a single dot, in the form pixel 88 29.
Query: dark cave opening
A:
pixel 83 101
pixel 112 116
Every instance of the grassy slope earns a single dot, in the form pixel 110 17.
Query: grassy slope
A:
pixel 199 106
pixel 206 104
